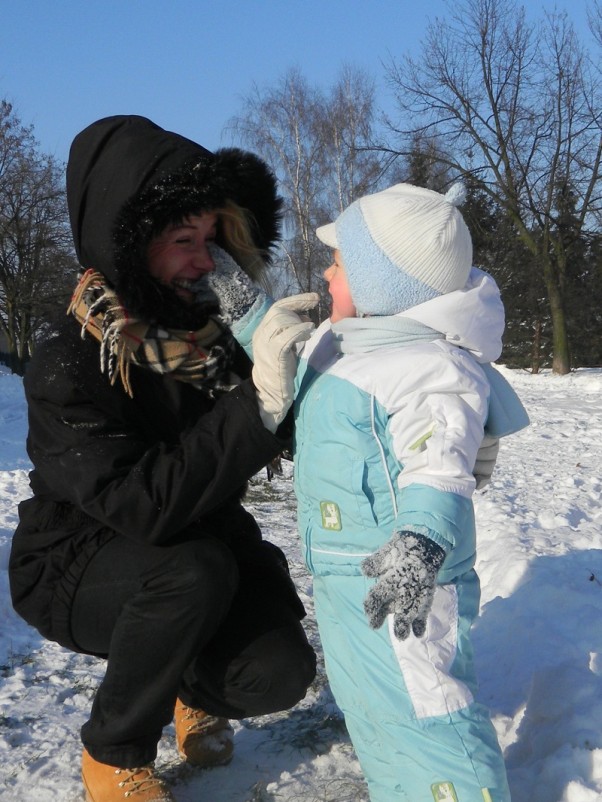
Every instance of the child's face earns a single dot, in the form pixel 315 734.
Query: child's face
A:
pixel 342 304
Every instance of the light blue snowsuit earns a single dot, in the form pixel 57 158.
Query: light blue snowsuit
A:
pixel 389 418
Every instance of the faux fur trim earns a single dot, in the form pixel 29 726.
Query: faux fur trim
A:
pixel 204 184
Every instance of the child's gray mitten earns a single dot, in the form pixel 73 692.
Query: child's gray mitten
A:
pixel 227 285
pixel 406 569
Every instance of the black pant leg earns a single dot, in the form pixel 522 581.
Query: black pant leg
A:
pixel 260 660
pixel 151 610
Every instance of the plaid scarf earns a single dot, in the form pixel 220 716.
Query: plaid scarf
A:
pixel 201 358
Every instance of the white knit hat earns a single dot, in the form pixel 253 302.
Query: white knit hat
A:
pixel 402 247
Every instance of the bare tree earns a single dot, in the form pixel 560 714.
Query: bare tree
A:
pixel 35 245
pixel 354 166
pixel 425 165
pixel 519 110
pixel 280 124
pixel 594 17
pixel 316 143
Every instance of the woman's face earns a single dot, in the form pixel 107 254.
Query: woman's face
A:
pixel 179 256
pixel 342 304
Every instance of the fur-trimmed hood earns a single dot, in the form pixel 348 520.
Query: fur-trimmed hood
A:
pixel 127 179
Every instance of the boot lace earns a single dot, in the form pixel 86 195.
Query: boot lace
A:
pixel 197 721
pixel 142 779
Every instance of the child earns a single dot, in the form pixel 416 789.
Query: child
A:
pixel 391 405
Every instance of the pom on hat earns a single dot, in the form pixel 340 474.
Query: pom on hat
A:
pixel 401 247
pixel 456 194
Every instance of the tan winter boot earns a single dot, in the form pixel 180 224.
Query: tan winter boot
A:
pixel 202 740
pixel 105 783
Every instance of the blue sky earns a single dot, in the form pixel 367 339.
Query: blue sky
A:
pixel 186 64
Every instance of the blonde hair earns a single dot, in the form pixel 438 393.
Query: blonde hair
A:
pixel 235 227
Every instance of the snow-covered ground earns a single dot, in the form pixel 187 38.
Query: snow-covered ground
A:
pixel 538 641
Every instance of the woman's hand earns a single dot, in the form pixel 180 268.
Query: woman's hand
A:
pixel 228 285
pixel 275 357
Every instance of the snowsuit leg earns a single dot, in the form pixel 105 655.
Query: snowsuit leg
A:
pixel 168 620
pixel 409 705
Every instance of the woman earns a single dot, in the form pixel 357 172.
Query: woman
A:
pixel 144 428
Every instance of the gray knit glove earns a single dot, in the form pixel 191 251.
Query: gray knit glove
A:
pixel 486 459
pixel 228 285
pixel 406 569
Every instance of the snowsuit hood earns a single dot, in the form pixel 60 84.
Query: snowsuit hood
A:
pixel 471 318
pixel 128 178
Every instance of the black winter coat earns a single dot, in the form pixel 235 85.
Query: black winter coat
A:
pixel 165 465
pixel 170 463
